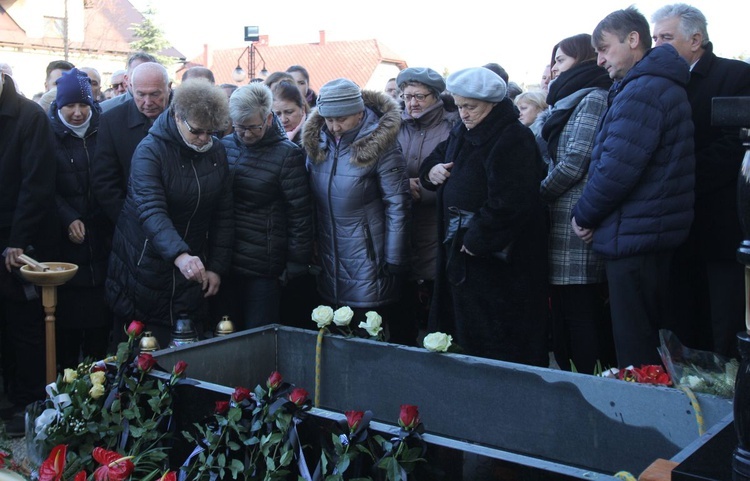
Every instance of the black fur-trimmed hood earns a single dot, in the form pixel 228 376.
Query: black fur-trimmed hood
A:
pixel 377 135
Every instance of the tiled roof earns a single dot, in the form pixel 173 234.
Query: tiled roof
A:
pixel 107 30
pixel 355 60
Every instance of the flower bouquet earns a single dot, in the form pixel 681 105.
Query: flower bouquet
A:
pixel 700 371
pixel 250 436
pixel 355 454
pixel 112 405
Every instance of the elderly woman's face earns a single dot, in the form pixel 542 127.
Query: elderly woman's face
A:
pixel 472 111
pixel 289 113
pixel 75 114
pixel 338 126
pixel 252 129
pixel 193 132
pixel 417 99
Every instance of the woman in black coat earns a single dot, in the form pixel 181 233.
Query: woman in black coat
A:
pixel 490 290
pixel 173 238
pixel 83 318
pixel 272 213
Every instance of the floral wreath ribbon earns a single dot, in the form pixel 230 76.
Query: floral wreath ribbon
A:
pixel 60 402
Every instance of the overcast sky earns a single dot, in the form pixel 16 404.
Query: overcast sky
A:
pixel 442 35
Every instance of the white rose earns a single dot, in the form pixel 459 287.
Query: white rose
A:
pixel 373 323
pixel 96 391
pixel 97 377
pixel 323 315
pixel 343 316
pixel 437 341
pixel 70 375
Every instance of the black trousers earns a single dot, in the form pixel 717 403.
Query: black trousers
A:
pixel 581 327
pixel 23 348
pixel 639 302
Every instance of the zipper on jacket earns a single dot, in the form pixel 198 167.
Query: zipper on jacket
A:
pixel 89 206
pixel 143 252
pixel 333 228
pixel 368 243
pixel 197 203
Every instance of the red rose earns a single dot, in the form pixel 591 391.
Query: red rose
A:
pixel 135 329
pixel 353 418
pixel 169 476
pixel 652 374
pixel 221 407
pixel 80 476
pixel 52 468
pixel 298 396
pixel 274 380
pixel 179 368
pixel 145 361
pixel 409 416
pixel 114 466
pixel 628 374
pixel 240 394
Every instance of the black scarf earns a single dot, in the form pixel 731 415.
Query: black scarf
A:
pixel 584 75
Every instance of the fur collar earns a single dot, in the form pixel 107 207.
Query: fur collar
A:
pixel 377 134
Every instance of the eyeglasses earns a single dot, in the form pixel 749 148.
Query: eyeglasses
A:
pixel 419 97
pixel 241 129
pixel 198 132
pixel 116 86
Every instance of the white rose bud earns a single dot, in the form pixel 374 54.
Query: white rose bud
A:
pixel 70 375
pixel 373 323
pixel 437 342
pixel 343 316
pixel 323 315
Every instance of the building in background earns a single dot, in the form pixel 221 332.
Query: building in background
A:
pixel 33 33
pixel 368 63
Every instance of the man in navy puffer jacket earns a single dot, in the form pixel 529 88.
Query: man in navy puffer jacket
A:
pixel 637 206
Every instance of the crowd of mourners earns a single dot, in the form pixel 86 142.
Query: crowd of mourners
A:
pixel 579 218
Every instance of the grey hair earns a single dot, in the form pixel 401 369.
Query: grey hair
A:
pixel 248 100
pixel 197 100
pixel 692 20
pixel 149 68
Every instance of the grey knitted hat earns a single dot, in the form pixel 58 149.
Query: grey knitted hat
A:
pixel 477 83
pixel 339 98
pixel 425 76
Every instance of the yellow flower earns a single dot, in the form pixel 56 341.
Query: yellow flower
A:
pixel 97 377
pixel 96 391
pixel 70 375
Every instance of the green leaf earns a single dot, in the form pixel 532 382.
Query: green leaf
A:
pixel 286 458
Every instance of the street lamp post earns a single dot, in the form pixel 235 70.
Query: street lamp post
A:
pixel 238 74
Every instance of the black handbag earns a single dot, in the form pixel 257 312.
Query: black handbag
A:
pixel 458 222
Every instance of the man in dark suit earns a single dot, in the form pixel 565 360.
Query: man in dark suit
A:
pixel 121 129
pixel 27 197
pixel 710 298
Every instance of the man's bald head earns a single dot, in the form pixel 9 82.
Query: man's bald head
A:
pixel 150 87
